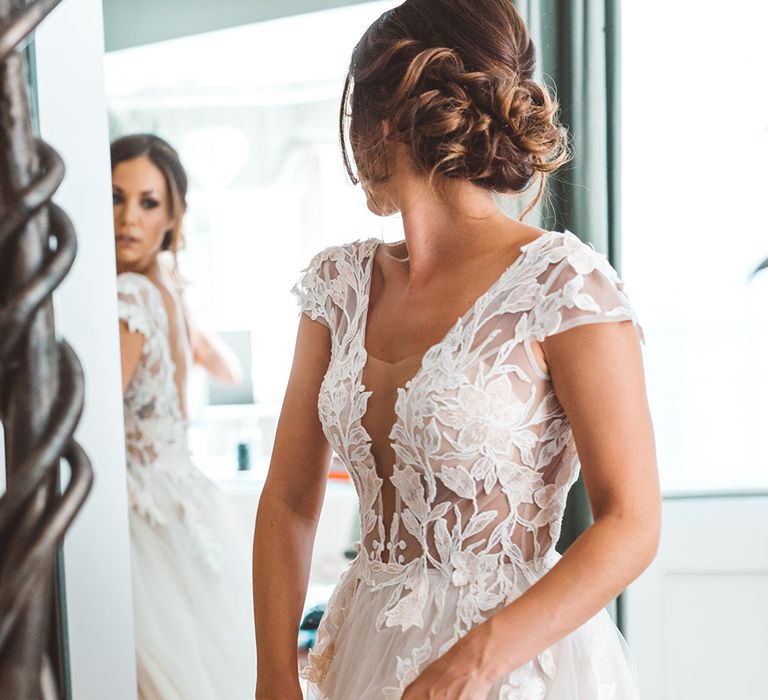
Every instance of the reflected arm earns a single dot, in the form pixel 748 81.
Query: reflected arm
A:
pixel 214 355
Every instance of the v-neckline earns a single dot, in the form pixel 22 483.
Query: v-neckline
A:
pixel 365 307
pixel 405 388
pixel 401 392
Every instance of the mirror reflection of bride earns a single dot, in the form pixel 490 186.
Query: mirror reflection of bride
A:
pixel 194 639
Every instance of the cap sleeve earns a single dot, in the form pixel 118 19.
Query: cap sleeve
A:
pixel 134 302
pixel 579 287
pixel 313 290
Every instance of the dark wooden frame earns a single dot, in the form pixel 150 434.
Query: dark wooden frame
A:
pixel 41 380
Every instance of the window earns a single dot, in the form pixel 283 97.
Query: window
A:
pixel 695 144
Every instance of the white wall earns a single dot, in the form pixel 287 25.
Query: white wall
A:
pixel 696 619
pixel 69 50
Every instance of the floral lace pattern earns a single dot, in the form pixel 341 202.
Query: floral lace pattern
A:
pixel 484 455
pixel 163 483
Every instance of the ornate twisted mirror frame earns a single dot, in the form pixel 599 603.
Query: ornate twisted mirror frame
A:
pixel 41 380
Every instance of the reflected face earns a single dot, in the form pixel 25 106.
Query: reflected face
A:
pixel 142 213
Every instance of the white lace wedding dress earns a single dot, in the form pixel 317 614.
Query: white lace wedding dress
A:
pixel 463 511
pixel 190 570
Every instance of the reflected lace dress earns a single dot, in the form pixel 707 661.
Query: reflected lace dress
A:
pixel 461 511
pixel 190 570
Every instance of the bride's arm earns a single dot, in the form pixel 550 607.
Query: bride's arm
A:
pixel 214 355
pixel 598 377
pixel 287 517
pixel 209 351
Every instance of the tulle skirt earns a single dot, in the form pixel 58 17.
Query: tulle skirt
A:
pixel 592 663
pixel 192 603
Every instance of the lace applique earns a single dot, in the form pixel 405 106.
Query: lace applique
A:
pixel 523 684
pixel 582 288
pixel 321 654
pixel 133 303
pixel 484 455
pixel 317 286
pixel 409 668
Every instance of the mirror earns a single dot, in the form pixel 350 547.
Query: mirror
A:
pixel 255 125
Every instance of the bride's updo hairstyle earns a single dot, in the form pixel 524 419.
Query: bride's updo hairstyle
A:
pixel 454 81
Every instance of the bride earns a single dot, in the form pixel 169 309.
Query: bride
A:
pixel 464 375
pixel 189 565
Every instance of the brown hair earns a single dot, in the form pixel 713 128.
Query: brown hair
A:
pixel 454 80
pixel 167 161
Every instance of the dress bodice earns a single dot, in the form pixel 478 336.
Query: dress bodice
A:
pixel 154 422
pixel 162 480
pixel 483 451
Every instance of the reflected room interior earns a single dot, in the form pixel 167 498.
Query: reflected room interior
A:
pixel 256 128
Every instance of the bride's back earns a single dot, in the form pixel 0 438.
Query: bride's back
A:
pixel 154 418
pixel 179 341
